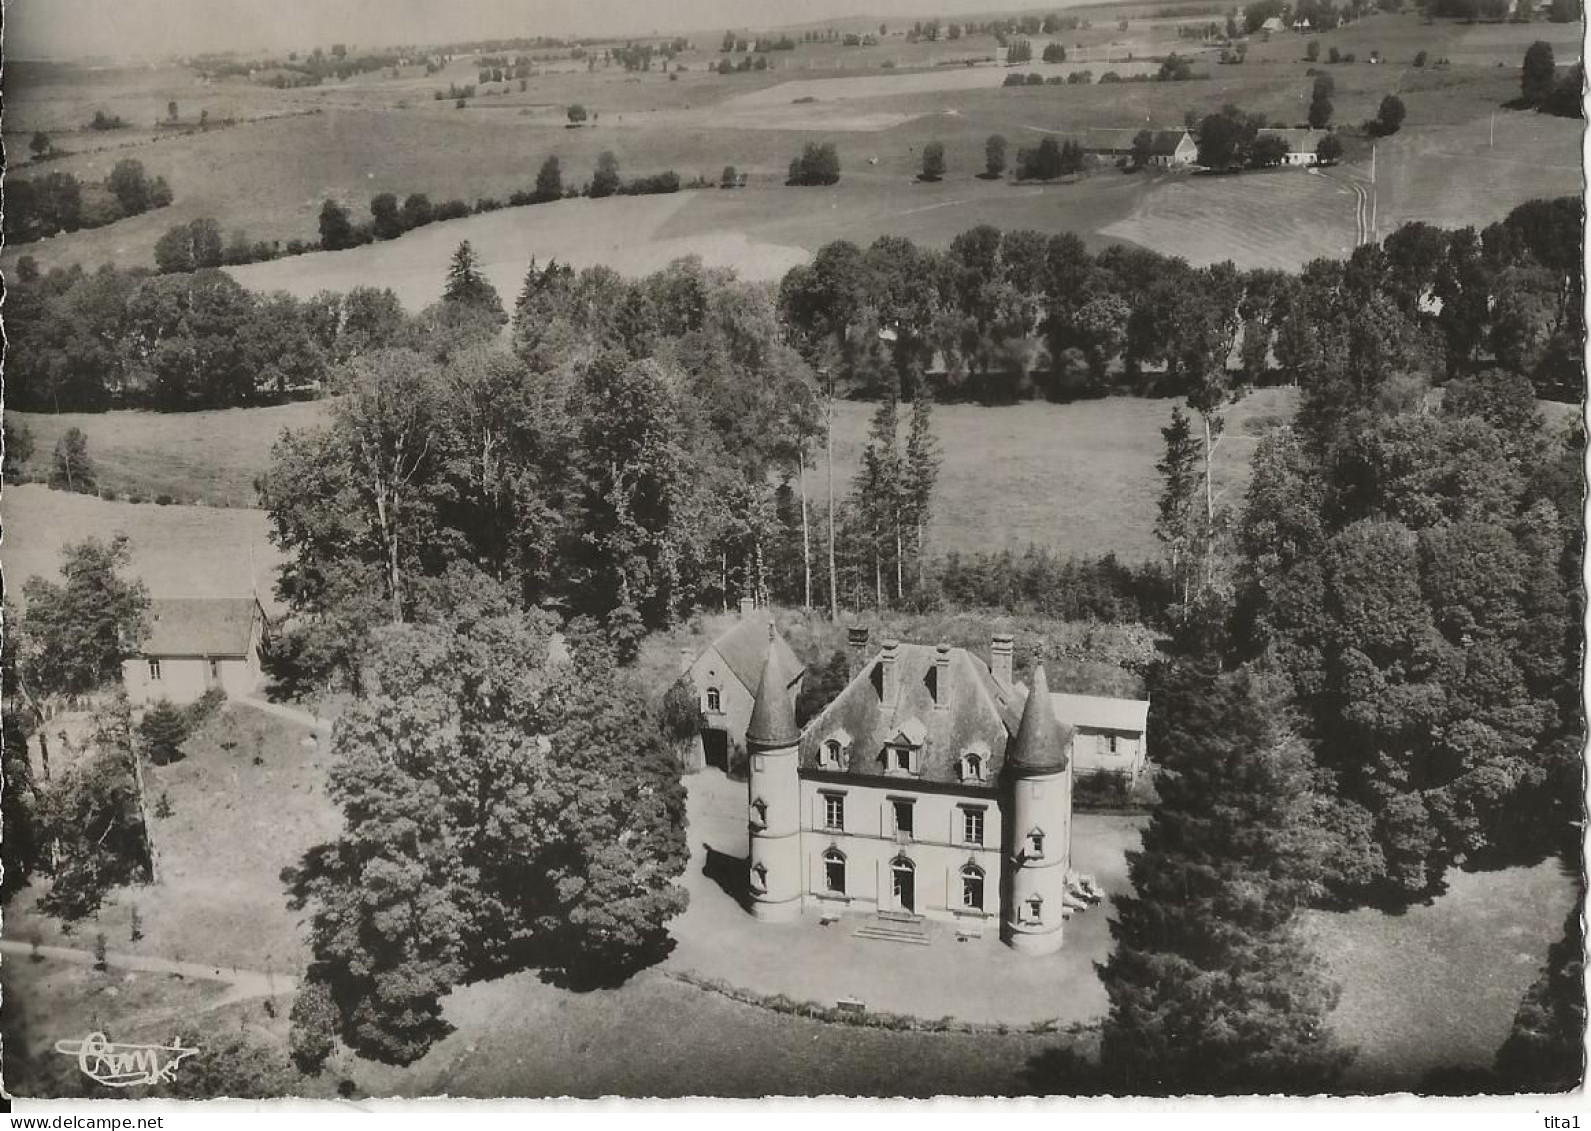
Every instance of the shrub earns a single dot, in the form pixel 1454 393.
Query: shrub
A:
pixel 206 707
pixel 313 1021
pixel 1014 79
pixel 164 728
pixel 682 714
pixel 108 494
pixel 164 500
pixel 656 183
pixel 819 164
pixel 730 179
pixel 163 806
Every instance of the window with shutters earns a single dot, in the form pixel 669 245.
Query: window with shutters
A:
pixel 972 887
pixel 834 812
pixel 972 826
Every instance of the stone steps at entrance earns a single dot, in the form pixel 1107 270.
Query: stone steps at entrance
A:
pixel 894 930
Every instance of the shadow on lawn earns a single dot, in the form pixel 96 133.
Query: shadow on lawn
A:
pixel 729 873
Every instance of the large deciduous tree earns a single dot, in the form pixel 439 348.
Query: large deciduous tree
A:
pixel 501 810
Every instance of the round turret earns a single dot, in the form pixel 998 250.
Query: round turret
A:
pixel 773 794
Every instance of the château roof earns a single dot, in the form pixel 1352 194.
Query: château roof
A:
pixel 745 647
pixel 978 715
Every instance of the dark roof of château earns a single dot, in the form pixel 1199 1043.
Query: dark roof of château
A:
pixel 200 626
pixel 744 648
pixel 773 712
pixel 980 715
pixel 1042 741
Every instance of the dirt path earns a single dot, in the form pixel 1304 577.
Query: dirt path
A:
pixel 291 714
pixel 244 984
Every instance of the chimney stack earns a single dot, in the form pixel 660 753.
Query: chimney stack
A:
pixel 890 662
pixel 1000 658
pixel 747 604
pixel 856 650
pixel 942 678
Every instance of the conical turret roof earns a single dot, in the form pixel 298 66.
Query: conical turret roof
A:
pixel 1041 742
pixel 773 712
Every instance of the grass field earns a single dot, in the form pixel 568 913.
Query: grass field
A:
pixel 247 800
pixel 623 235
pixel 177 551
pixel 1281 219
pixel 209 456
pixel 1437 986
pixel 376 133
pixel 1476 172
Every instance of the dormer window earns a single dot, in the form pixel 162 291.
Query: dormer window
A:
pixel 1035 845
pixel 834 752
pixel 759 813
pixel 715 701
pixel 972 767
pixel 1033 909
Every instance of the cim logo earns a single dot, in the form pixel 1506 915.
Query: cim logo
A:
pixel 124 1066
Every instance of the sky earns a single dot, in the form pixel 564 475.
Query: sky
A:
pixel 160 28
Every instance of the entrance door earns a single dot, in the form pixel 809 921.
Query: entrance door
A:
pixel 904 886
pixel 715 748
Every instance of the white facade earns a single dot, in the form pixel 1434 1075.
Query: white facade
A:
pixel 182 679
pixel 900 849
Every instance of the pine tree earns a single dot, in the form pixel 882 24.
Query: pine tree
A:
pixel 466 286
pixel 878 487
pixel 923 459
pixel 549 181
pixel 1178 523
pixel 163 730
pixel 1212 988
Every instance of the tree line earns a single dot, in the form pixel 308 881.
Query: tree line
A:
pixel 999 316
pixel 128 338
pixel 1374 678
pixel 43 206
